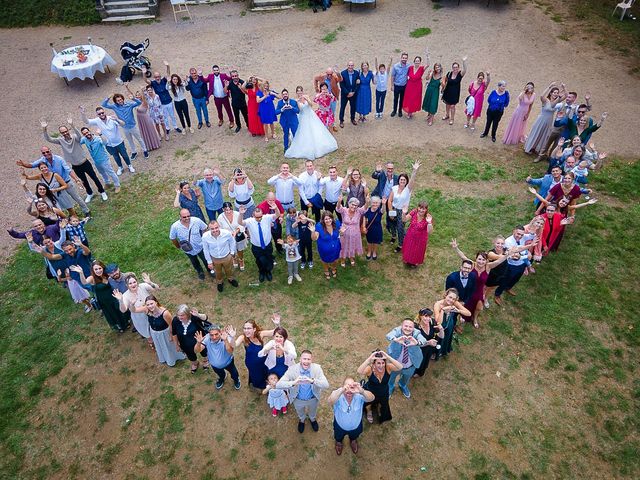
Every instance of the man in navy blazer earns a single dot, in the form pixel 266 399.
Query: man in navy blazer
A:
pixel 546 183
pixel 288 110
pixel 464 281
pixel 348 90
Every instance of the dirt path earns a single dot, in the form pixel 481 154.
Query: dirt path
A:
pixel 286 48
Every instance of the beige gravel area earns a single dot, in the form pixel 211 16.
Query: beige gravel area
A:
pixel 515 42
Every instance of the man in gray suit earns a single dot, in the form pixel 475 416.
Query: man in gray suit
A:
pixel 305 381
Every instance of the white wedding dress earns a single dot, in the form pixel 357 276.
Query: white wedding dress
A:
pixel 312 139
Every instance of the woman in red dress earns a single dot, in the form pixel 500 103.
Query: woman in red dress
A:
pixel 255 125
pixel 413 91
pixel 417 236
pixel 483 267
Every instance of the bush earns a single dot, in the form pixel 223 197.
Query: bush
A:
pixel 31 13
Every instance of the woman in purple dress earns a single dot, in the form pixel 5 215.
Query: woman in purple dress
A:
pixel 514 133
pixel 483 267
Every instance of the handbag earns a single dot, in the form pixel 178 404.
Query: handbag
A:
pixel 364 229
pixel 240 236
pixel 185 245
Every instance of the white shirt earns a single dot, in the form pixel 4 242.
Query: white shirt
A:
pixel 332 188
pixel 218 247
pixel 252 227
pixel 242 193
pixel 309 186
pixel 218 88
pixel 181 93
pixel 284 187
pixel 400 200
pixel 109 130
pixel 512 242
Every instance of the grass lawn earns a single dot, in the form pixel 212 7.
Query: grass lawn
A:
pixel 547 386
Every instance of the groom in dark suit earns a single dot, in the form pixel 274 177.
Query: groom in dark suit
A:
pixel 348 91
pixel 288 110
pixel 463 281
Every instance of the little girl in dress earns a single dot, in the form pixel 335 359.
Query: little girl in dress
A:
pixel 277 398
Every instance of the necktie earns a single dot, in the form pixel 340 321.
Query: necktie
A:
pixel 405 355
pixel 262 245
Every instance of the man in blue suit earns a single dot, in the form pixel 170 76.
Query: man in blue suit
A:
pixel 348 91
pixel 546 183
pixel 288 110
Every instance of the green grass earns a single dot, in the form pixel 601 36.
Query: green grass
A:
pixel 332 35
pixel 571 332
pixel 31 13
pixel 468 168
pixel 420 32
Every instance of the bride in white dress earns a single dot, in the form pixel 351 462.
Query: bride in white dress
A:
pixel 312 139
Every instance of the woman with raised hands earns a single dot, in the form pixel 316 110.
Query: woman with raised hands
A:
pixel 253 337
pixel 280 352
pixel 444 312
pixel 483 268
pixel 377 369
pixel 134 301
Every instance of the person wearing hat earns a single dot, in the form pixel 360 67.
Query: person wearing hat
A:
pixel 498 100
pixel 219 344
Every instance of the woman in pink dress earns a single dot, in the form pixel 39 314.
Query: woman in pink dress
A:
pixel 417 236
pixel 146 125
pixel 482 267
pixel 476 90
pixel 351 238
pixel 323 100
pixel 413 91
pixel 514 133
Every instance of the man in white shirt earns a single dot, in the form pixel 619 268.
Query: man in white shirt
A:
pixel 284 184
pixel 332 189
pixel 517 262
pixel 186 235
pixel 219 246
pixel 310 190
pixel 109 129
pixel 259 229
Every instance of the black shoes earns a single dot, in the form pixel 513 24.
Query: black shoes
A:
pixel 220 287
pixel 300 427
pixel 269 276
pixel 238 128
pixel 201 275
pixel 234 282
pixel 261 277
pixel 393 114
pixel 314 425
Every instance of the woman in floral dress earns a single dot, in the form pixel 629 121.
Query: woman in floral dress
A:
pixel 324 112
pixel 351 239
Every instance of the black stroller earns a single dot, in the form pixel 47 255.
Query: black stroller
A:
pixel 134 60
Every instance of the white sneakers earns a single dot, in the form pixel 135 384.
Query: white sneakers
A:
pixel 104 196
pixel 290 280
pixel 119 171
pixel 131 169
pixel 88 198
pixel 298 278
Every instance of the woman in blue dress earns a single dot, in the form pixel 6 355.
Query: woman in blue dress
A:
pixel 253 339
pixel 373 227
pixel 187 198
pixel 363 99
pixel 266 110
pixel 327 235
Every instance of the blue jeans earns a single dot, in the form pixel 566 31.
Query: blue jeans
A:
pixel 380 96
pixel 405 376
pixel 117 152
pixel 106 170
pixel 200 106
pixel 213 214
